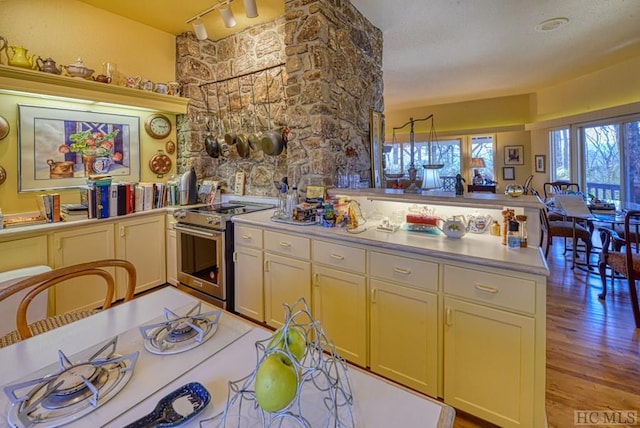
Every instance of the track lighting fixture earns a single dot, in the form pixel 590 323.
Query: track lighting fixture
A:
pixel 200 29
pixel 227 16
pixel 224 7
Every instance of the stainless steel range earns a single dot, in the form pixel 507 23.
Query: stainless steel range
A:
pixel 205 250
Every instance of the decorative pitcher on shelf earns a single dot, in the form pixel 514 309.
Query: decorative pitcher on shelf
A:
pixel 19 57
pixel 48 66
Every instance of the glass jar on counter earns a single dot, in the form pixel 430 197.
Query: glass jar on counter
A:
pixel 513 235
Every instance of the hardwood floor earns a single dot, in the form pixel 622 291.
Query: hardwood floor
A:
pixel 593 347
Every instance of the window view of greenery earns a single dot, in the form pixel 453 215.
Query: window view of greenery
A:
pixel 482 147
pixel 447 152
pixel 610 159
pixel 560 158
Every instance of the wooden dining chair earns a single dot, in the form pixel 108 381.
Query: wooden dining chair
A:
pixel 564 229
pixel 37 284
pixel 551 188
pixel 621 256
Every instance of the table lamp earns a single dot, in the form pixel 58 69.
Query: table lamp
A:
pixel 475 164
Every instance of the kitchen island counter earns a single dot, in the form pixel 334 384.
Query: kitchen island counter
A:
pixel 472 248
pixel 377 403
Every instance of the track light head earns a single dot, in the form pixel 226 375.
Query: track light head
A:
pixel 227 16
pixel 200 29
pixel 250 8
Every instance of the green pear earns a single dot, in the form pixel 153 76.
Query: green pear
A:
pixel 296 342
pixel 276 382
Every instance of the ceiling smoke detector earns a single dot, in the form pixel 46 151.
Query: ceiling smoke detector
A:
pixel 551 24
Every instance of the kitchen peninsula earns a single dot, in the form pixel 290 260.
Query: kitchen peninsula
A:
pixel 461 319
pixel 227 356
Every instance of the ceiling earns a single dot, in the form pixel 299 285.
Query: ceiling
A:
pixel 442 51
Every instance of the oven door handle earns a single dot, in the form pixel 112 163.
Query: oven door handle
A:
pixel 209 233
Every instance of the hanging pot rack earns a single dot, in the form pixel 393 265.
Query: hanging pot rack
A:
pixel 239 76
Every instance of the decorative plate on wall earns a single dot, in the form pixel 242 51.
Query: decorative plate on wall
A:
pixel 3 174
pixel 170 147
pixel 160 163
pixel 4 128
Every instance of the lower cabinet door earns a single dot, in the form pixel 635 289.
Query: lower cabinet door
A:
pixel 249 299
pixel 142 242
pixel 79 245
pixel 285 281
pixel 489 363
pixel 404 335
pixel 340 304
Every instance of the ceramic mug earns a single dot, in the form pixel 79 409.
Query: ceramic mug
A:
pixel 132 82
pixel 161 88
pixel 173 89
pixel 146 85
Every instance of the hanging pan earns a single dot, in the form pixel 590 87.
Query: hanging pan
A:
pixel 242 144
pixel 210 144
pixel 272 142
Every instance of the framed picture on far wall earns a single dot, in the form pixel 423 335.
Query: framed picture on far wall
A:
pixel 508 173
pixel 514 155
pixel 540 163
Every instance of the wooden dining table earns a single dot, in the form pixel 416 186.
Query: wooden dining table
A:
pixel 230 356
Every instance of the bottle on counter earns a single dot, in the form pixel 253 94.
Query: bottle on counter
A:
pixel 495 228
pixel 513 235
pixel 522 220
pixel 292 201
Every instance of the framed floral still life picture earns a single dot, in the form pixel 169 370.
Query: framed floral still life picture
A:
pixel 514 155
pixel 60 148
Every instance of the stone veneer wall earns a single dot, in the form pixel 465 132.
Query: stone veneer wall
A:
pixel 332 77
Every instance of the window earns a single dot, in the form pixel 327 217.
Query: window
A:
pixel 482 147
pixel 446 151
pixel 560 155
pixel 608 165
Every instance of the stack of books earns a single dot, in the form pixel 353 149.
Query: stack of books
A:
pixel 49 205
pixel 73 212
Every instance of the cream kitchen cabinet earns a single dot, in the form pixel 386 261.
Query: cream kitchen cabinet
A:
pixel 79 245
pixel 248 281
pixel 287 274
pixel 340 297
pixel 141 240
pixel 23 252
pixel 172 250
pixel 490 348
pixel 404 320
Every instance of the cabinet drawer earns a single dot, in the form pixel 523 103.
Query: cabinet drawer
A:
pixel 290 245
pixel 247 236
pixel 338 255
pixel 403 270
pixel 506 291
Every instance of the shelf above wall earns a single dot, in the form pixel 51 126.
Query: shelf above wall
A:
pixel 37 82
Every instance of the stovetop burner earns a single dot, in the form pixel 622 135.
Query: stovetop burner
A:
pixel 215 216
pixel 75 390
pixel 179 333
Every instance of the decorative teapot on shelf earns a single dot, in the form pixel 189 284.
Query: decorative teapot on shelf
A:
pixel 478 223
pixel 48 66
pixel 455 227
pixel 78 69
pixel 19 57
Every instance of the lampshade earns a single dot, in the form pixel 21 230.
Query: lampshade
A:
pixel 477 163
pixel 200 29
pixel 227 16
pixel 250 8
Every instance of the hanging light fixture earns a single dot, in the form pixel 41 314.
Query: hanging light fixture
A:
pixel 224 7
pixel 199 29
pixel 250 8
pixel 227 16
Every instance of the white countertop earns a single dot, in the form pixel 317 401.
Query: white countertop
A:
pixel 483 249
pixel 377 402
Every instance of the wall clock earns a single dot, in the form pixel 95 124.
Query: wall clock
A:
pixel 158 126
pixel 4 127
